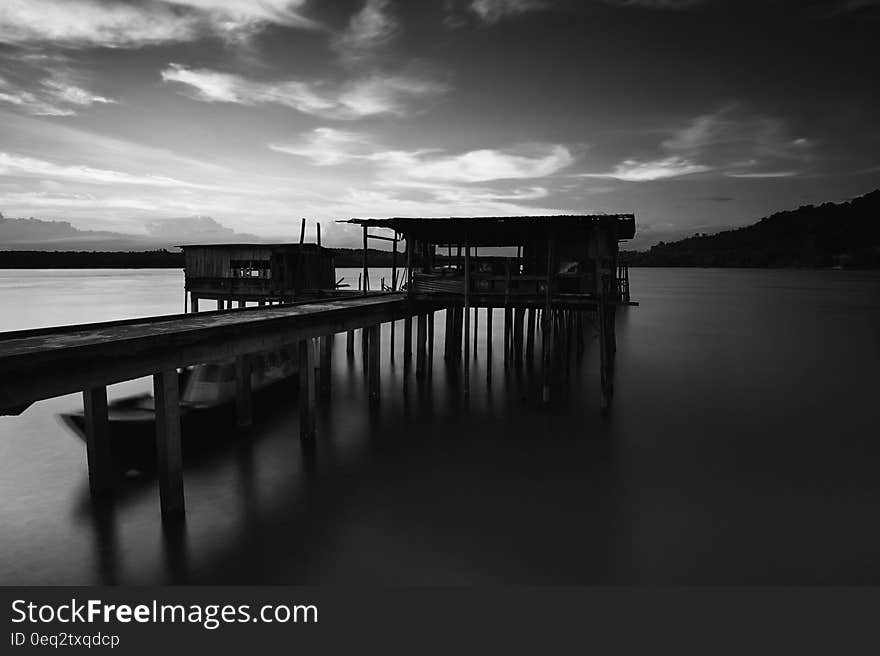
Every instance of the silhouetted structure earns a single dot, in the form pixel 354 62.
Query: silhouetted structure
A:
pixel 561 266
pixel 257 272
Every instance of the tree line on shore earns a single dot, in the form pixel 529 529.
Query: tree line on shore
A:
pixel 829 235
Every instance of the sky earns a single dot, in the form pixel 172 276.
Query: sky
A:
pixel 184 118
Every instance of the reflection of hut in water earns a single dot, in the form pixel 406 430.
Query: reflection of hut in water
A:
pixel 259 273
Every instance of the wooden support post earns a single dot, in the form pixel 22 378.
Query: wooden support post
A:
pixel 366 275
pixel 430 350
pixel 508 320
pixel 393 274
pixel 450 333
pixel 466 313
pixel 407 340
pixel 421 345
pixel 98 441
pixel 261 303
pixel 221 304
pixel 373 364
pixel 476 330
pixel 530 334
pixel 168 454
pixel 326 347
pixel 243 401
pixel 195 303
pixel 306 352
pixel 490 313
pixel 518 318
pixel 547 321
pixel 349 344
pixel 459 322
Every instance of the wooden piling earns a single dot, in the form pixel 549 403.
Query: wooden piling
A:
pixel 421 344
pixel 430 350
pixel 195 304
pixel 326 348
pixel 449 335
pixel 476 330
pixel 243 400
pixel 518 318
pixel 374 339
pixel 490 311
pixel 508 320
pixel 349 344
pixel 530 334
pixel 306 353
pixel 407 340
pixel 168 454
pixel 98 441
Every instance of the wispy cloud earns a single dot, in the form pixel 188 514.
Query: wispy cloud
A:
pixel 368 96
pixel 763 174
pixel 492 11
pixel 119 24
pixel 369 30
pixel 19 165
pixel 632 170
pixel 328 146
pixel 730 141
pixel 658 4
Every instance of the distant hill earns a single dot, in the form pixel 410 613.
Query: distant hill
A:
pixel 832 234
pixel 158 259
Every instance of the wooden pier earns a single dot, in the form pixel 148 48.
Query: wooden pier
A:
pixel 564 269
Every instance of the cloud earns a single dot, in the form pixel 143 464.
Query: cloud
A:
pixel 118 24
pixel 369 96
pixel 658 4
pixel 731 141
pixel 370 29
pixel 764 174
pixel 53 96
pixel 18 165
pixel 632 170
pixel 525 162
pixel 328 146
pixel 195 229
pixel 492 11
pixel 62 235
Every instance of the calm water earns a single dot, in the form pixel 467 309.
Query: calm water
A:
pixel 742 447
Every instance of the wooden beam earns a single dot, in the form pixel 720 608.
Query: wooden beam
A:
pixel 243 397
pixel 98 441
pixel 306 352
pixel 168 451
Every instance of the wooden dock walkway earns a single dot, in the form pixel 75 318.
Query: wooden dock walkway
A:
pixel 44 363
